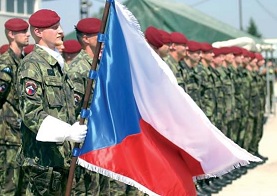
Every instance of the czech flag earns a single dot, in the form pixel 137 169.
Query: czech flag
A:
pixel 143 129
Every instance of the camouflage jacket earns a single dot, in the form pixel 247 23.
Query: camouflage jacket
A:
pixel 192 83
pixel 9 106
pixel 208 92
pixel 44 89
pixel 176 69
pixel 78 73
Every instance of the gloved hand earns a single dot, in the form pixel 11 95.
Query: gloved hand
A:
pixel 76 133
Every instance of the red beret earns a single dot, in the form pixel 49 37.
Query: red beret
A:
pixel 206 47
pixel 259 56
pixel 165 36
pixel 217 52
pixel 44 18
pixel 193 46
pixel 89 25
pixel 226 50
pixel 4 48
pixel 28 49
pixel 153 36
pixel 178 38
pixel 72 46
pixel 236 50
pixel 251 55
pixel 16 24
pixel 245 52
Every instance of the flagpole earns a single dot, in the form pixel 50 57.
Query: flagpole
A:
pixel 87 95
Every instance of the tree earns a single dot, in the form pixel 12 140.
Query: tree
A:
pixel 252 29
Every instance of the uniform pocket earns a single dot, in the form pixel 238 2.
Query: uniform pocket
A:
pixel 53 88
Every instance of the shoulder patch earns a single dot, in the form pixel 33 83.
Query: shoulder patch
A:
pixel 30 88
pixel 3 88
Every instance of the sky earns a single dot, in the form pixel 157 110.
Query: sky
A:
pixel 263 12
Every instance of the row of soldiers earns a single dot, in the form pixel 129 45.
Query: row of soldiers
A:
pixel 227 83
pixel 41 97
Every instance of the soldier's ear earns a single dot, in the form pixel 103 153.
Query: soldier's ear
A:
pixel 38 32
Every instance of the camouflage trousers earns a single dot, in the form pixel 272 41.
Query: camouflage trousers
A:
pixel 44 181
pixel 251 125
pixel 9 170
pixel 257 134
pixel 120 189
pixel 88 183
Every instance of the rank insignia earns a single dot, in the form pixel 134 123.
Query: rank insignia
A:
pixel 30 88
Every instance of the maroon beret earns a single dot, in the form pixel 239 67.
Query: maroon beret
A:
pixel 178 38
pixel 206 47
pixel 71 46
pixel 217 52
pixel 165 36
pixel 251 55
pixel 28 49
pixel 259 56
pixel 4 48
pixel 153 36
pixel 245 52
pixel 226 50
pixel 193 46
pixel 44 18
pixel 236 50
pixel 89 25
pixel 16 24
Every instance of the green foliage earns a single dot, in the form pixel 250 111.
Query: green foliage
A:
pixel 253 29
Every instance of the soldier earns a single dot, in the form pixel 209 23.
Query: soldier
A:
pixel 47 110
pixel 16 31
pixel 177 52
pixel 261 84
pixel 87 182
pixel 191 77
pixel 71 50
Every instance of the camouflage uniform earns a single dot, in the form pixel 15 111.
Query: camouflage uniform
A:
pixel 192 83
pixel 86 182
pixel 44 89
pixel 208 96
pixel 229 93
pixel 220 101
pixel 258 129
pixel 242 89
pixel 9 124
pixel 176 69
pixel 254 106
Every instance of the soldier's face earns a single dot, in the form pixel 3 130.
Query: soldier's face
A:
pixel 164 50
pixel 52 36
pixel 21 38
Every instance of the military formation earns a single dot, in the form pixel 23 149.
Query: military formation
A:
pixel 42 88
pixel 229 86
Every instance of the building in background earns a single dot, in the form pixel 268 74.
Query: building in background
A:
pixel 16 8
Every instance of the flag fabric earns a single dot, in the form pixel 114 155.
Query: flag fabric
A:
pixel 143 129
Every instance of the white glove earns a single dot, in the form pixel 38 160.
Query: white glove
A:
pixel 76 133
pixel 55 130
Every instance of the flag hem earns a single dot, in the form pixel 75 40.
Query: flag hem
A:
pixel 115 176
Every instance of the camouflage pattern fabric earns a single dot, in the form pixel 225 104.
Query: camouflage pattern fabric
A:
pixel 258 129
pixel 44 89
pixel 220 101
pixel 176 69
pixel 78 73
pixel 10 137
pixel 192 83
pixel 242 86
pixel 121 189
